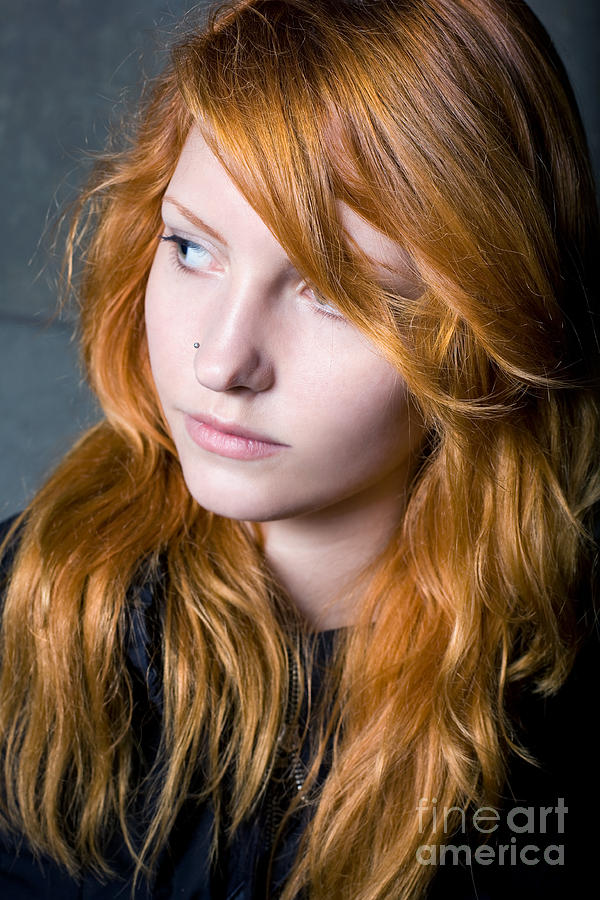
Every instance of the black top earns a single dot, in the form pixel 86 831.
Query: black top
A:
pixel 539 844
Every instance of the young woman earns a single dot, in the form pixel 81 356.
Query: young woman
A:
pixel 308 614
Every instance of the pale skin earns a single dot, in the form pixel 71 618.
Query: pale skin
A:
pixel 274 358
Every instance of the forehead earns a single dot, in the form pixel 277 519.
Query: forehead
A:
pixel 201 183
pixel 388 257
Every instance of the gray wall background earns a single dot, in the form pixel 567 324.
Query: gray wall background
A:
pixel 64 66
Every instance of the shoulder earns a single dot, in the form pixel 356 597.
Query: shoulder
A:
pixel 529 844
pixel 559 730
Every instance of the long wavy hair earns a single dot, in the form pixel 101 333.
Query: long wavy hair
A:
pixel 450 126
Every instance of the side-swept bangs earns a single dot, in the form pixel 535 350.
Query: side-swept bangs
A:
pixel 420 129
pixel 261 86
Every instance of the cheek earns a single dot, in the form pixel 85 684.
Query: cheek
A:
pixel 378 420
pixel 363 415
pixel 158 340
pixel 152 307
pixel 164 330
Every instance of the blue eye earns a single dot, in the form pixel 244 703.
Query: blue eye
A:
pixel 189 254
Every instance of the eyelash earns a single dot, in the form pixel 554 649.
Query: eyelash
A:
pixel 321 309
pixel 179 243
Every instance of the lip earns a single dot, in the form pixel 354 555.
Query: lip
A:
pixel 229 439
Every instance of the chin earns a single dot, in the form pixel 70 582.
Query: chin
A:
pixel 232 502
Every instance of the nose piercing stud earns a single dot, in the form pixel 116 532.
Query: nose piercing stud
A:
pixel 196 345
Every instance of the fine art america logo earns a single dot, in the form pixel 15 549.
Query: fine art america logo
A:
pixel 520 821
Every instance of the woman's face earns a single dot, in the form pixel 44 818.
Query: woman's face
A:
pixel 239 342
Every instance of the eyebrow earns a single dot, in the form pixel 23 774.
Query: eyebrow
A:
pixel 397 278
pixel 195 220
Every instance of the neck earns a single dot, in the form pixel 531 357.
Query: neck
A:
pixel 318 558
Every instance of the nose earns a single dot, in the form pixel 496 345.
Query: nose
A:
pixel 232 347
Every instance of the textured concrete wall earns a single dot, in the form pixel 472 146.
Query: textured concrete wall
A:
pixel 63 67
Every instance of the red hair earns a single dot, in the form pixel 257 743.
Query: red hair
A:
pixel 450 126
